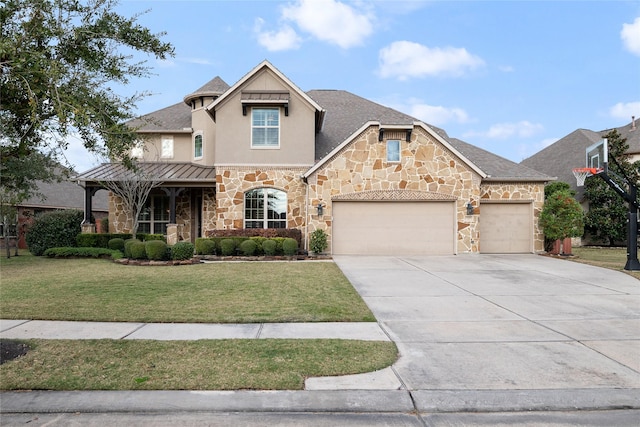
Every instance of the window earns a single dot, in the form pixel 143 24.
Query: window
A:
pixel 393 150
pixel 197 146
pixel 137 151
pixel 167 147
pixel 265 127
pixel 154 217
pixel 265 208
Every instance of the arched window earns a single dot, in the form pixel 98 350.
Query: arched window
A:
pixel 265 208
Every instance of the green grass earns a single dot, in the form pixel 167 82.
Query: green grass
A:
pixel 189 365
pixel 244 292
pixel 612 258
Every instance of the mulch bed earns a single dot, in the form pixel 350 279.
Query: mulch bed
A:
pixel 10 350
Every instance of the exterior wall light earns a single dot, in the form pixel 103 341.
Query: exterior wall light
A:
pixel 320 208
pixel 469 208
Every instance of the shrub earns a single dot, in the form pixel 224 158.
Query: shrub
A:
pixel 269 247
pixel 562 216
pixel 248 247
pixel 116 244
pixel 267 233
pixel 138 250
pixel 227 247
pixel 290 246
pixel 156 250
pixel 127 247
pixel 148 237
pixel 82 253
pixel 205 246
pixel 259 241
pixel 318 241
pixel 182 251
pixel 54 229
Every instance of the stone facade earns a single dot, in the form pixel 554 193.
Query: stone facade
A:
pixel 233 182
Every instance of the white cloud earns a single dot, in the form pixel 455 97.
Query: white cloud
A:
pixel 405 59
pixel 630 35
pixel 284 39
pixel 624 110
pixel 438 115
pixel 506 68
pixel 331 21
pixel 521 129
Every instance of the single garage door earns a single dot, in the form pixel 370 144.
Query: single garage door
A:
pixel 393 228
pixel 506 228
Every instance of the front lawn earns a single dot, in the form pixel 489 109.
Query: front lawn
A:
pixel 230 292
pixel 613 258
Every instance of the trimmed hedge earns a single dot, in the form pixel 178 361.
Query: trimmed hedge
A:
pixel 53 230
pixel 74 252
pixel 156 250
pixel 248 247
pixel 292 233
pixel 95 240
pixel 182 251
pixel 138 250
pixel 127 247
pixel 289 246
pixel 116 244
pixel 227 247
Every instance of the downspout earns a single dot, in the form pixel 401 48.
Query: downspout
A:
pixel 306 214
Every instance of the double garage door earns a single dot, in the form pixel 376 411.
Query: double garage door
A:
pixel 393 228
pixel 426 228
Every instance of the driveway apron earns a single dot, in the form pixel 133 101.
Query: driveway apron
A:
pixel 504 322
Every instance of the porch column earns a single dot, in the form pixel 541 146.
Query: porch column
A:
pixel 87 227
pixel 172 205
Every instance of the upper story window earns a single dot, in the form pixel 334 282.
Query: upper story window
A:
pixel 167 147
pixel 265 127
pixel 197 146
pixel 137 151
pixel 265 208
pixel 393 150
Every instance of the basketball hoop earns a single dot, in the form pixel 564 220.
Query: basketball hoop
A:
pixel 582 173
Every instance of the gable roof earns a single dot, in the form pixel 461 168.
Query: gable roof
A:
pixel 175 118
pixel 567 153
pixel 65 195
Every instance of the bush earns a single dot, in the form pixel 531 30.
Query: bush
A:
pixel 127 247
pixel 267 233
pixel 205 246
pixel 318 241
pixel 562 216
pixel 54 229
pixel 138 250
pixel 290 246
pixel 82 253
pixel 149 237
pixel 227 247
pixel 248 247
pixel 155 250
pixel 182 251
pixel 116 244
pixel 269 247
pixel 98 240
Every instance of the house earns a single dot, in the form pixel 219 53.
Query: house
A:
pixel 262 153
pixel 567 153
pixel 56 196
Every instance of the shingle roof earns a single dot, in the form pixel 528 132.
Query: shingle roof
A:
pixel 567 153
pixel 176 117
pixel 65 195
pixel 346 112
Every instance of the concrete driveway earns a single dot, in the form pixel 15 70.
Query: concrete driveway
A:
pixel 500 330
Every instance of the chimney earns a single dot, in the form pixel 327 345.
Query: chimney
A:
pixel 633 122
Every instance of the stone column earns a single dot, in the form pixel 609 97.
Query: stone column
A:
pixel 88 228
pixel 172 234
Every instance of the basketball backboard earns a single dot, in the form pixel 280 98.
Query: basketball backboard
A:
pixel 597 155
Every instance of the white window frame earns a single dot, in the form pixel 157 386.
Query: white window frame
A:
pixel 265 127
pixel 201 135
pixel 137 151
pixel 398 143
pixel 166 147
pixel 263 208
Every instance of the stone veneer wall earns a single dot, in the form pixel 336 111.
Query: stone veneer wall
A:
pixel 519 191
pixel 232 182
pixel 426 166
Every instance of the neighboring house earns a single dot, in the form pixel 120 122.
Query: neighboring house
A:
pixel 57 196
pixel 567 153
pixel 264 154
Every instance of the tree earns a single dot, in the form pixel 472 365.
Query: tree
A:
pixel 133 186
pixel 607 216
pixel 58 61
pixel 562 216
pixel 555 186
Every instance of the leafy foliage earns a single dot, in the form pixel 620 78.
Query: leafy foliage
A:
pixel 116 244
pixel 562 216
pixel 82 253
pixel 227 247
pixel 156 250
pixel 607 216
pixel 54 229
pixel 269 247
pixel 318 242
pixel 182 251
pixel 555 186
pixel 248 247
pixel 59 60
pixel 289 247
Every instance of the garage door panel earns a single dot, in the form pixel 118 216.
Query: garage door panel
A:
pixel 384 228
pixel 505 228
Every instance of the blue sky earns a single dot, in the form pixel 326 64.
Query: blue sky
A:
pixel 508 76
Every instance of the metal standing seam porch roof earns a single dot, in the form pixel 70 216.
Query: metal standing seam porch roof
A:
pixel 166 172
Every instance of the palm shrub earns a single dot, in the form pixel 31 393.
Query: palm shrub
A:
pixel 290 246
pixel 54 229
pixel 156 250
pixel 182 251
pixel 248 247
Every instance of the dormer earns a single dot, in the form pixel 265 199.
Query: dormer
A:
pixel 206 94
